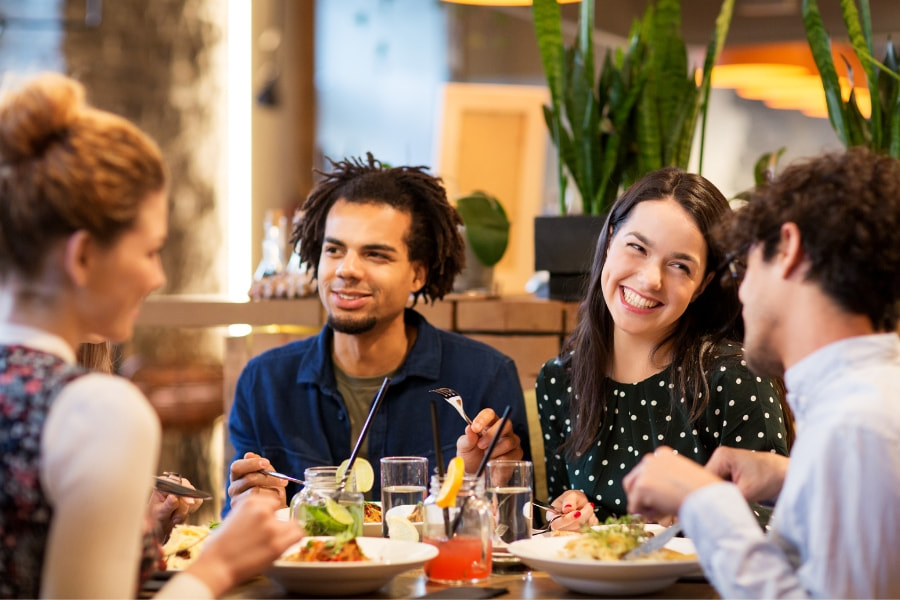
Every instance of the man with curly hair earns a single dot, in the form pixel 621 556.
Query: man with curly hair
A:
pixel 374 236
pixel 821 294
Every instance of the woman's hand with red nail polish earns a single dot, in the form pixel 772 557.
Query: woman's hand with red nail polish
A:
pixel 574 514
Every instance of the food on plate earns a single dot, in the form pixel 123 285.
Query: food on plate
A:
pixel 337 549
pixel 184 545
pixel 417 515
pixel 372 513
pixel 615 539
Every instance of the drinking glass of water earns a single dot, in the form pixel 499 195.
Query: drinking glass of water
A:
pixel 404 481
pixel 509 489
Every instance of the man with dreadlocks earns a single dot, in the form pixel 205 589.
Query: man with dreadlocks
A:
pixel 373 236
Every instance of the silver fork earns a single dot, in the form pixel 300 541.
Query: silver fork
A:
pixel 455 400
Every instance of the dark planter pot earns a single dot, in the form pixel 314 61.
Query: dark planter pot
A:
pixel 564 246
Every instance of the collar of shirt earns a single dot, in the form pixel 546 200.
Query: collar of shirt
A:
pixel 423 359
pixel 807 379
pixel 22 335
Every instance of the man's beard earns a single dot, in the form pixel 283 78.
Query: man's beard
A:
pixel 762 359
pixel 352 326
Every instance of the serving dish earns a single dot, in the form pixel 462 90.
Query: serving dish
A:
pixel 604 577
pixel 388 558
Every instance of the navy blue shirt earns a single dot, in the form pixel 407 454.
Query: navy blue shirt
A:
pixel 287 407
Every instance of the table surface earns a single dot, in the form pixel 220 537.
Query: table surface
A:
pixel 524 584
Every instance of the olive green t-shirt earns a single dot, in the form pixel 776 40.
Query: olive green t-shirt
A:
pixel 358 393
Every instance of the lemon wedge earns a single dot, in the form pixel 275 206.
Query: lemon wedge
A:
pixel 338 512
pixel 452 482
pixel 362 472
pixel 399 528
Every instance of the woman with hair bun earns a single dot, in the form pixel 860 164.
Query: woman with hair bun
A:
pixel 83 218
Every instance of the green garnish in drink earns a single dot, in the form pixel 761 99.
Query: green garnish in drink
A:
pixel 331 518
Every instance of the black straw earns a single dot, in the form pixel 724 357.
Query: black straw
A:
pixel 439 457
pixel 490 448
pixel 480 471
pixel 365 430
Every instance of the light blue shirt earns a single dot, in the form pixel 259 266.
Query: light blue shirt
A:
pixel 835 531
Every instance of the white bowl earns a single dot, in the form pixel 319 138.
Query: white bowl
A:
pixel 388 558
pixel 604 577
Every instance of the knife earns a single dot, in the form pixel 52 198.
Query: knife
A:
pixel 167 486
pixel 655 543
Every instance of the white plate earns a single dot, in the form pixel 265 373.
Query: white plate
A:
pixel 604 577
pixel 388 558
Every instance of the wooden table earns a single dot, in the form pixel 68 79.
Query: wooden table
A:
pixel 527 584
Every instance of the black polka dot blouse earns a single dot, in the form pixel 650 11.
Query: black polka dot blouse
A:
pixel 743 412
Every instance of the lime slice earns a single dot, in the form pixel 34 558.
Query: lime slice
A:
pixel 362 471
pixel 452 482
pixel 399 528
pixel 338 512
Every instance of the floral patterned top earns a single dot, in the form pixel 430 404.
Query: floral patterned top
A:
pixel 743 411
pixel 30 380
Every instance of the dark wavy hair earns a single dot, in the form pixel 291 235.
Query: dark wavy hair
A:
pixel 713 317
pixel 434 239
pixel 847 207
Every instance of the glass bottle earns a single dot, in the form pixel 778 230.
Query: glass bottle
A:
pixel 323 510
pixel 464 553
pixel 273 244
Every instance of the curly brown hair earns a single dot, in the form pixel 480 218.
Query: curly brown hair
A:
pixel 433 239
pixel 847 207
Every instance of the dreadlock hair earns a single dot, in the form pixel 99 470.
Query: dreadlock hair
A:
pixel 433 239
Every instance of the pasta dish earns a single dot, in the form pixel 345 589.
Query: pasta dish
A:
pixel 614 540
pixel 332 550
pixel 184 545
pixel 372 513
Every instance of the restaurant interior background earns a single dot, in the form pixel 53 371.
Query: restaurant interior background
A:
pixel 247 97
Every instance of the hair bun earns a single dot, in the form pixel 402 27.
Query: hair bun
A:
pixel 36 114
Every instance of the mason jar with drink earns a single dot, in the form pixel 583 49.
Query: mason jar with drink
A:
pixel 458 522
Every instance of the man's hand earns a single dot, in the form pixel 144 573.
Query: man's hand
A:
pixel 573 512
pixel 168 510
pixel 759 475
pixel 472 445
pixel 658 485
pixel 245 479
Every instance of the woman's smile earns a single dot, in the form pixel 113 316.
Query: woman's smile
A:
pixel 633 299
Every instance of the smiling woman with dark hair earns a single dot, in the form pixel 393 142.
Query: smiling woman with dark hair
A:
pixel 654 358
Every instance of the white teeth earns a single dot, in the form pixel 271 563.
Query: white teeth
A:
pixel 636 300
pixel 346 297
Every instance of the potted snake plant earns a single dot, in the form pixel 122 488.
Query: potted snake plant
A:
pixel 880 132
pixel 638 113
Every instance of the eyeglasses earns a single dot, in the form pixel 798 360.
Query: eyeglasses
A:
pixel 735 264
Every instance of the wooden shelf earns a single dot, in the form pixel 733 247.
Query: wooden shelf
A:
pixel 215 311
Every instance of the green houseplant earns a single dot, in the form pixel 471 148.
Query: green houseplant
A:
pixel 881 131
pixel 486 230
pixel 638 114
